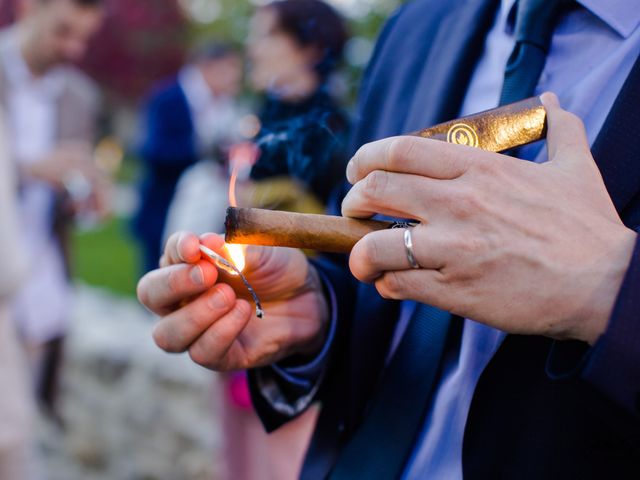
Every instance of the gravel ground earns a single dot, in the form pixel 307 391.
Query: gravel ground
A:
pixel 131 412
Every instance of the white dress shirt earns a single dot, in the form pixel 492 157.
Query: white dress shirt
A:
pixel 41 306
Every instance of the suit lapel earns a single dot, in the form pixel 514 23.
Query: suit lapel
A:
pixel 616 148
pixel 438 94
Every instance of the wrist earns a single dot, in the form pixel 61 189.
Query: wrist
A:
pixel 310 346
pixel 608 275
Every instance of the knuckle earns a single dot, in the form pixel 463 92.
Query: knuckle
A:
pixel 161 340
pixel 390 286
pixel 376 184
pixel 472 245
pixel 259 357
pixel 370 251
pixel 174 280
pixel 192 317
pixel 399 149
pixel 466 203
pixel 164 338
pixel 201 356
pixel 487 167
pixel 358 156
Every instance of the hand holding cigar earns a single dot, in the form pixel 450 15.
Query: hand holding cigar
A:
pixel 494 130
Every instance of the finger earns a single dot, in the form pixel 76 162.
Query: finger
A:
pixel 213 241
pixel 384 250
pixel 414 155
pixel 161 290
pixel 211 348
pixel 425 286
pixel 394 194
pixel 178 330
pixel 182 247
pixel 566 137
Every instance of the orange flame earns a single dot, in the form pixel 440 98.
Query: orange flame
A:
pixel 242 156
pixel 233 201
pixel 235 253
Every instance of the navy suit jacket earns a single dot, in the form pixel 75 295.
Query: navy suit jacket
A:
pixel 542 409
pixel 168 149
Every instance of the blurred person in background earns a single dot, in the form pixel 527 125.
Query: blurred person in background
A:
pixel 51 111
pixel 15 401
pixel 187 119
pixel 294 47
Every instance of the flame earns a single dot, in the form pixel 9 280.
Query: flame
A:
pixel 236 253
pixel 241 158
pixel 232 187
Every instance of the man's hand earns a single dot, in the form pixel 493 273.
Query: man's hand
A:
pixel 55 168
pixel 206 312
pixel 70 168
pixel 526 248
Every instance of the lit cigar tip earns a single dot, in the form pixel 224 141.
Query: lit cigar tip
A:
pixel 230 223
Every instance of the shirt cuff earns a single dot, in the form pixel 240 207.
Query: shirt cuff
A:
pixel 291 389
pixel 309 373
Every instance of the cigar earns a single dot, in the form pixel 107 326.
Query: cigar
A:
pixel 325 233
pixel 495 130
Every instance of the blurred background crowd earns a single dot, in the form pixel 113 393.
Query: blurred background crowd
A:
pixel 122 121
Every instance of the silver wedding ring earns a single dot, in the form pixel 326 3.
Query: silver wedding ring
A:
pixel 408 246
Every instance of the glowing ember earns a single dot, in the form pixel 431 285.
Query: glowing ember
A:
pixel 236 253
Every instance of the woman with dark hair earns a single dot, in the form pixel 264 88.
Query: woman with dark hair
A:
pixel 294 46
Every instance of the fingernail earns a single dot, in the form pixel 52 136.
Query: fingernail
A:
pixel 180 240
pixel 197 275
pixel 218 300
pixel 351 172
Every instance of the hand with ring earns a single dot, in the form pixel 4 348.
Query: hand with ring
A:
pixel 526 248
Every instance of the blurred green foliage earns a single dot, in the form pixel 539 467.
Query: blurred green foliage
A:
pixel 106 257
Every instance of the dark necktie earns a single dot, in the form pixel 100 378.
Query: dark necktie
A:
pixel 535 21
pixel 382 444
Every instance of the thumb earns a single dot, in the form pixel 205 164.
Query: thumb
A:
pixel 567 143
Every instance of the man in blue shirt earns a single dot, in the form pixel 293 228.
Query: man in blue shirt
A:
pixel 544 381
pixel 188 118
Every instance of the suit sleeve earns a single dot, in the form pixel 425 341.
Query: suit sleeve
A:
pixel 283 391
pixel 613 366
pixel 168 140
